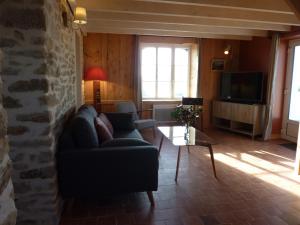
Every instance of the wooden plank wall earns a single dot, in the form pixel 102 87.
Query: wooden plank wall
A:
pixel 115 53
pixel 209 80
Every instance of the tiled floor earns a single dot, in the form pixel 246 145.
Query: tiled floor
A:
pixel 255 186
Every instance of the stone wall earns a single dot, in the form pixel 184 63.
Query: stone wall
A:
pixel 39 94
pixel 7 204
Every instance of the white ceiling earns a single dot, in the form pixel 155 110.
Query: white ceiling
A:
pixel 229 19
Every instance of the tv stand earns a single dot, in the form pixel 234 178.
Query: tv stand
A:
pixel 241 118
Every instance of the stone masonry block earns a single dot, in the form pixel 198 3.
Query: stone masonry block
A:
pixel 29 85
pixel 23 18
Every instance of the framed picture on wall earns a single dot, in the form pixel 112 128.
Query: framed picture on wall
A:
pixel 218 64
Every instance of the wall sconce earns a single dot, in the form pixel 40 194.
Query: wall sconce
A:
pixel 79 14
pixel 227 50
pixel 80 17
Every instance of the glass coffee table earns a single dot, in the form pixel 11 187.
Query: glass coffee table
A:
pixel 183 136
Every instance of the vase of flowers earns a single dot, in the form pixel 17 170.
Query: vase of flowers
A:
pixel 186 115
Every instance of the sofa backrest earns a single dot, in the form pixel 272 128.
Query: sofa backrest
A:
pixel 89 109
pixel 81 132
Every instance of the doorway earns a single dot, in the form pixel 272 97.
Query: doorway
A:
pixel 291 112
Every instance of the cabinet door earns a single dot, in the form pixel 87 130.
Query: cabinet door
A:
pixel 242 113
pixel 222 110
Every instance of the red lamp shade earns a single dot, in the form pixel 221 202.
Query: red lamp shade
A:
pixel 95 73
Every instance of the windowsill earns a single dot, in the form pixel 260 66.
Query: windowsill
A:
pixel 161 100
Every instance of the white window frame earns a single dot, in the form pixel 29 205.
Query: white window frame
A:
pixel 172 46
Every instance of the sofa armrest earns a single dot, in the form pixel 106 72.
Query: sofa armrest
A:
pixel 107 170
pixel 121 121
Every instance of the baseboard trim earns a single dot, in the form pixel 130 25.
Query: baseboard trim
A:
pixel 275 136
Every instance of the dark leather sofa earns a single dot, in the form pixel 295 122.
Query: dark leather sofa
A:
pixel 87 168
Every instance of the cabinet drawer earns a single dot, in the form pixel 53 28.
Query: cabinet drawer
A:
pixel 222 110
pixel 242 113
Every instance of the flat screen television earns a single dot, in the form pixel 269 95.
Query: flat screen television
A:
pixel 242 87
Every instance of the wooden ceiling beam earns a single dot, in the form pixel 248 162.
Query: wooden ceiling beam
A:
pixel 295 6
pixel 95 15
pixel 97 29
pixel 154 9
pixel 262 5
pixel 176 28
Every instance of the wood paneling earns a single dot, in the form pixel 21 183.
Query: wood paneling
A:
pixel 255 55
pixel 209 80
pixel 115 53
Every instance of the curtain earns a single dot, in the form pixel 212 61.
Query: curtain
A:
pixel 137 75
pixel 271 86
pixel 199 67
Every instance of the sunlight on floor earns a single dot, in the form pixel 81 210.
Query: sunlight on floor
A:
pixel 270 172
pixel 278 156
pixel 289 164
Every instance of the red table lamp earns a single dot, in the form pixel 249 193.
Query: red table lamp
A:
pixel 96 74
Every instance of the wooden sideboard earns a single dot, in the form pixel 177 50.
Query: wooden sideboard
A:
pixel 242 118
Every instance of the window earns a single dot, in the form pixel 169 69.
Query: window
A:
pixel 165 71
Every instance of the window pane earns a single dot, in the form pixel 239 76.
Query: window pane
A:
pixel 164 56
pixel 148 72
pixel 180 89
pixel 294 113
pixel 181 73
pixel 164 73
pixel 181 56
pixel 164 90
pixel 149 56
pixel 148 89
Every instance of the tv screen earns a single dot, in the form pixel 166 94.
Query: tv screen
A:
pixel 244 87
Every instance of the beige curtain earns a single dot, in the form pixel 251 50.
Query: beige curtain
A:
pixel 137 78
pixel 199 67
pixel 271 86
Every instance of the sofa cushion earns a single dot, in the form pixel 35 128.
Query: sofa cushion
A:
pixel 116 142
pixel 83 130
pixel 102 131
pixel 108 124
pixel 128 134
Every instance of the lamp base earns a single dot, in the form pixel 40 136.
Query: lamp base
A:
pixel 97 95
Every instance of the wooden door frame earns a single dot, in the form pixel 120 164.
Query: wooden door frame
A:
pixel 287 91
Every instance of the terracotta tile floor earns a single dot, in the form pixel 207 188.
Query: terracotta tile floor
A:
pixel 255 186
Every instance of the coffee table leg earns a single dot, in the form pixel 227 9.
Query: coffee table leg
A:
pixel 160 144
pixel 178 160
pixel 212 159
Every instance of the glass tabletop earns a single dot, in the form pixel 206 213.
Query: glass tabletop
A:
pixel 181 135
